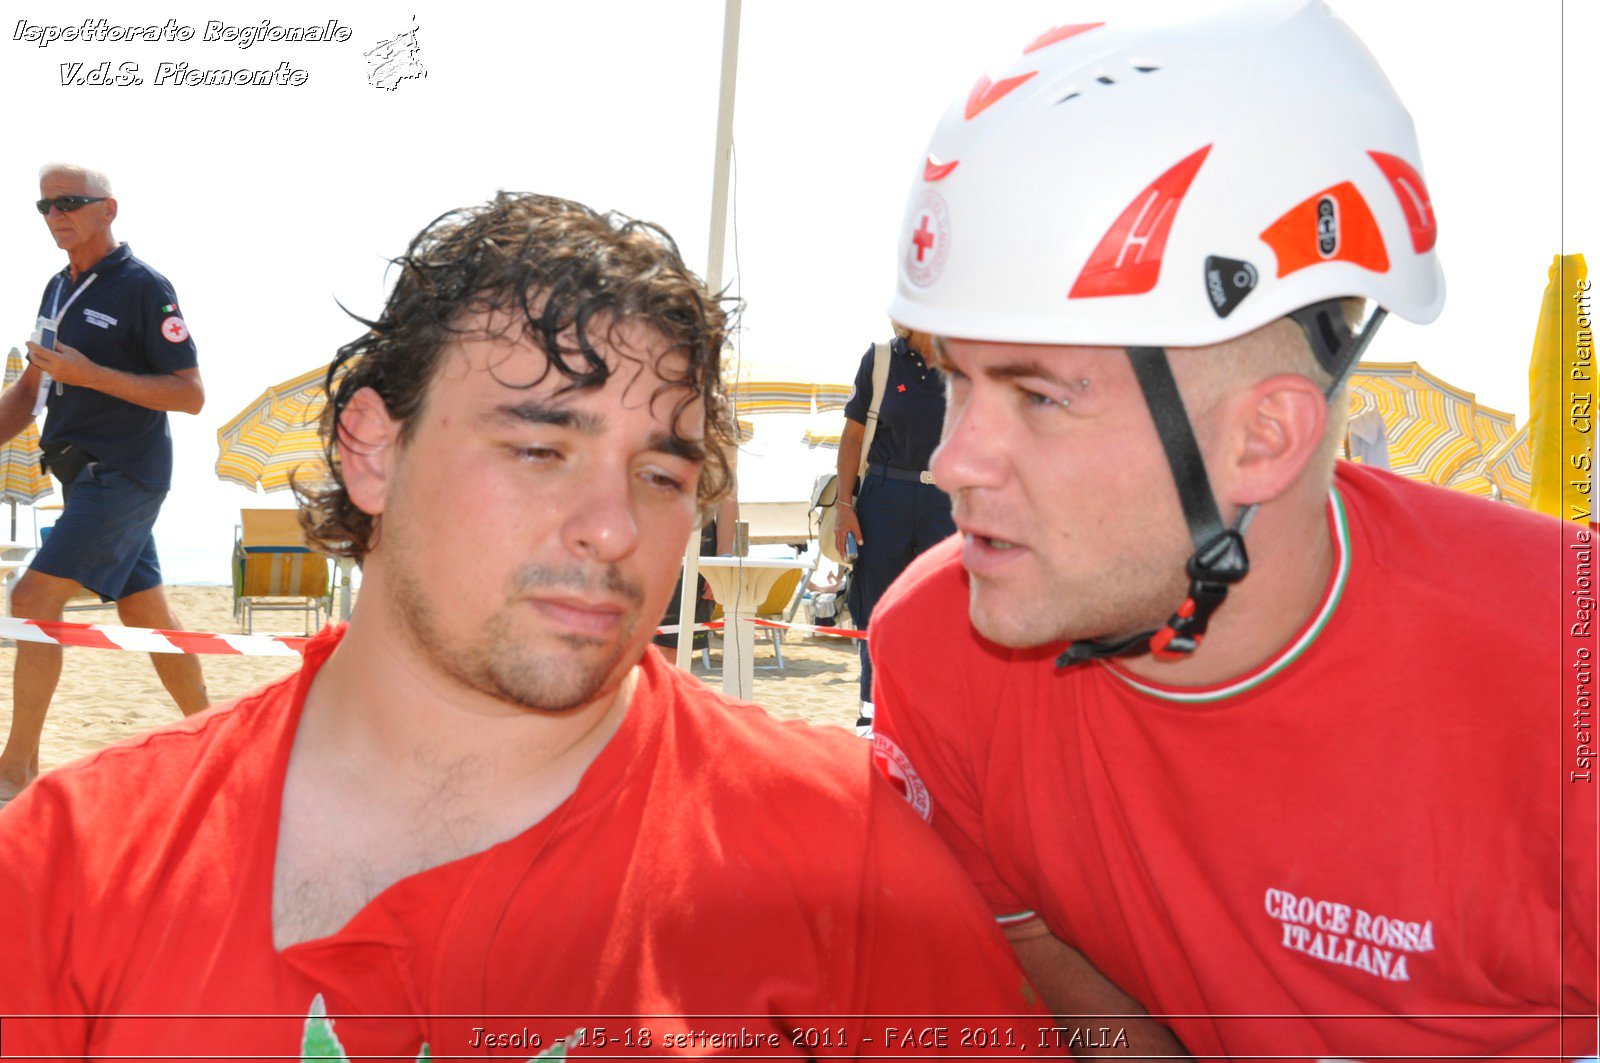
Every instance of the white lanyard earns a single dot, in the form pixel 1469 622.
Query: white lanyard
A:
pixel 56 310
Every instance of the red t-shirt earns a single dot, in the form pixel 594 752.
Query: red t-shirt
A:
pixel 1381 842
pixel 719 883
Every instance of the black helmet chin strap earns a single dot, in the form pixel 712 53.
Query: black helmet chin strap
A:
pixel 1219 559
pixel 1337 350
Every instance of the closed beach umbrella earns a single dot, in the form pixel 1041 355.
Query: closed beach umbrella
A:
pixel 1561 394
pixel 276 436
pixel 22 482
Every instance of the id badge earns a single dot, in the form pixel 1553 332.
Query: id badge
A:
pixel 44 334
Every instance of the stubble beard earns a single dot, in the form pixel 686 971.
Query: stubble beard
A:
pixel 1110 605
pixel 497 661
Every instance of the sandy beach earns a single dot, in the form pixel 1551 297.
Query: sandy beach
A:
pixel 106 695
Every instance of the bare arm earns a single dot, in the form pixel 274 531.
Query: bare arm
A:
pixel 180 392
pixel 1079 995
pixel 16 404
pixel 850 441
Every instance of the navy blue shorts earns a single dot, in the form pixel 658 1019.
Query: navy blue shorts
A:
pixel 104 539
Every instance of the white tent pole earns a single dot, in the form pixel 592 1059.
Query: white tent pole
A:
pixel 690 592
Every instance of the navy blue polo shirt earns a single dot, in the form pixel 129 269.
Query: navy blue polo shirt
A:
pixel 912 413
pixel 126 319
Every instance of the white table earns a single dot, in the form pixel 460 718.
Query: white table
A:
pixel 741 584
pixel 13 556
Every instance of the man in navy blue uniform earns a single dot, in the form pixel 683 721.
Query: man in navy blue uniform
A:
pixel 895 512
pixel 121 359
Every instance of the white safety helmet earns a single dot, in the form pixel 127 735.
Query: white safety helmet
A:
pixel 1121 183
pixel 1145 187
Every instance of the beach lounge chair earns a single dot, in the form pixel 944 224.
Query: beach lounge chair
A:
pixel 781 603
pixel 275 570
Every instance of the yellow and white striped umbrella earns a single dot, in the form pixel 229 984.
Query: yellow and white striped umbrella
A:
pixel 815 438
pixel 1509 467
pixel 786 396
pixel 1472 481
pixel 771 396
pixel 823 432
pixel 1492 428
pixel 276 436
pixel 1432 426
pixel 22 482
pixel 832 396
pixel 793 381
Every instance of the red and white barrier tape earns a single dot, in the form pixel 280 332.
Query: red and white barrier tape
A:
pixel 155 640
pixel 849 633
pixel 718 625
pixel 148 640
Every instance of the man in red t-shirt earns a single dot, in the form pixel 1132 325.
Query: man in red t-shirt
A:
pixel 1356 821
pixel 485 819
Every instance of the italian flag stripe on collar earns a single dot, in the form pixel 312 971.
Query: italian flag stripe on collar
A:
pixel 1284 657
pixel 1013 918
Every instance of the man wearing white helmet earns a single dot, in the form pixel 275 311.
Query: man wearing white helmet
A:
pixel 1343 826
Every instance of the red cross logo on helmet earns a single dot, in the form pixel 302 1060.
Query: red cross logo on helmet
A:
pixel 927 242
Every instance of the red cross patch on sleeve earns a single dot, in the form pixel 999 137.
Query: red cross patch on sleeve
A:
pixel 174 329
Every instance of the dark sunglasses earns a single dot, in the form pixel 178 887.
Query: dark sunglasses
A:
pixel 68 204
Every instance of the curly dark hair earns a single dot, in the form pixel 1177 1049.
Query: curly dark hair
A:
pixel 552 270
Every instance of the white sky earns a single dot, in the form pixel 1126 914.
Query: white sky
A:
pixel 265 205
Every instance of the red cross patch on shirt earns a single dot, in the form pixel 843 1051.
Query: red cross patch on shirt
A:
pixel 175 330
pixel 900 387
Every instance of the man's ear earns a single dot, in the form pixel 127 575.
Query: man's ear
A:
pixel 368 441
pixel 111 209
pixel 1276 433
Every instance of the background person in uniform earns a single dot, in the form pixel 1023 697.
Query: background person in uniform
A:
pixel 896 512
pixel 488 796
pixel 1345 824
pixel 122 359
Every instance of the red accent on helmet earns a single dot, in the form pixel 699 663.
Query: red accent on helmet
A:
pixel 934 170
pixel 923 237
pixel 1186 610
pixel 1413 197
pixel 1127 260
pixel 1059 33
pixel 986 93
pixel 1295 236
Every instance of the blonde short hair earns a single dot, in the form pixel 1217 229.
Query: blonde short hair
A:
pixel 1274 349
